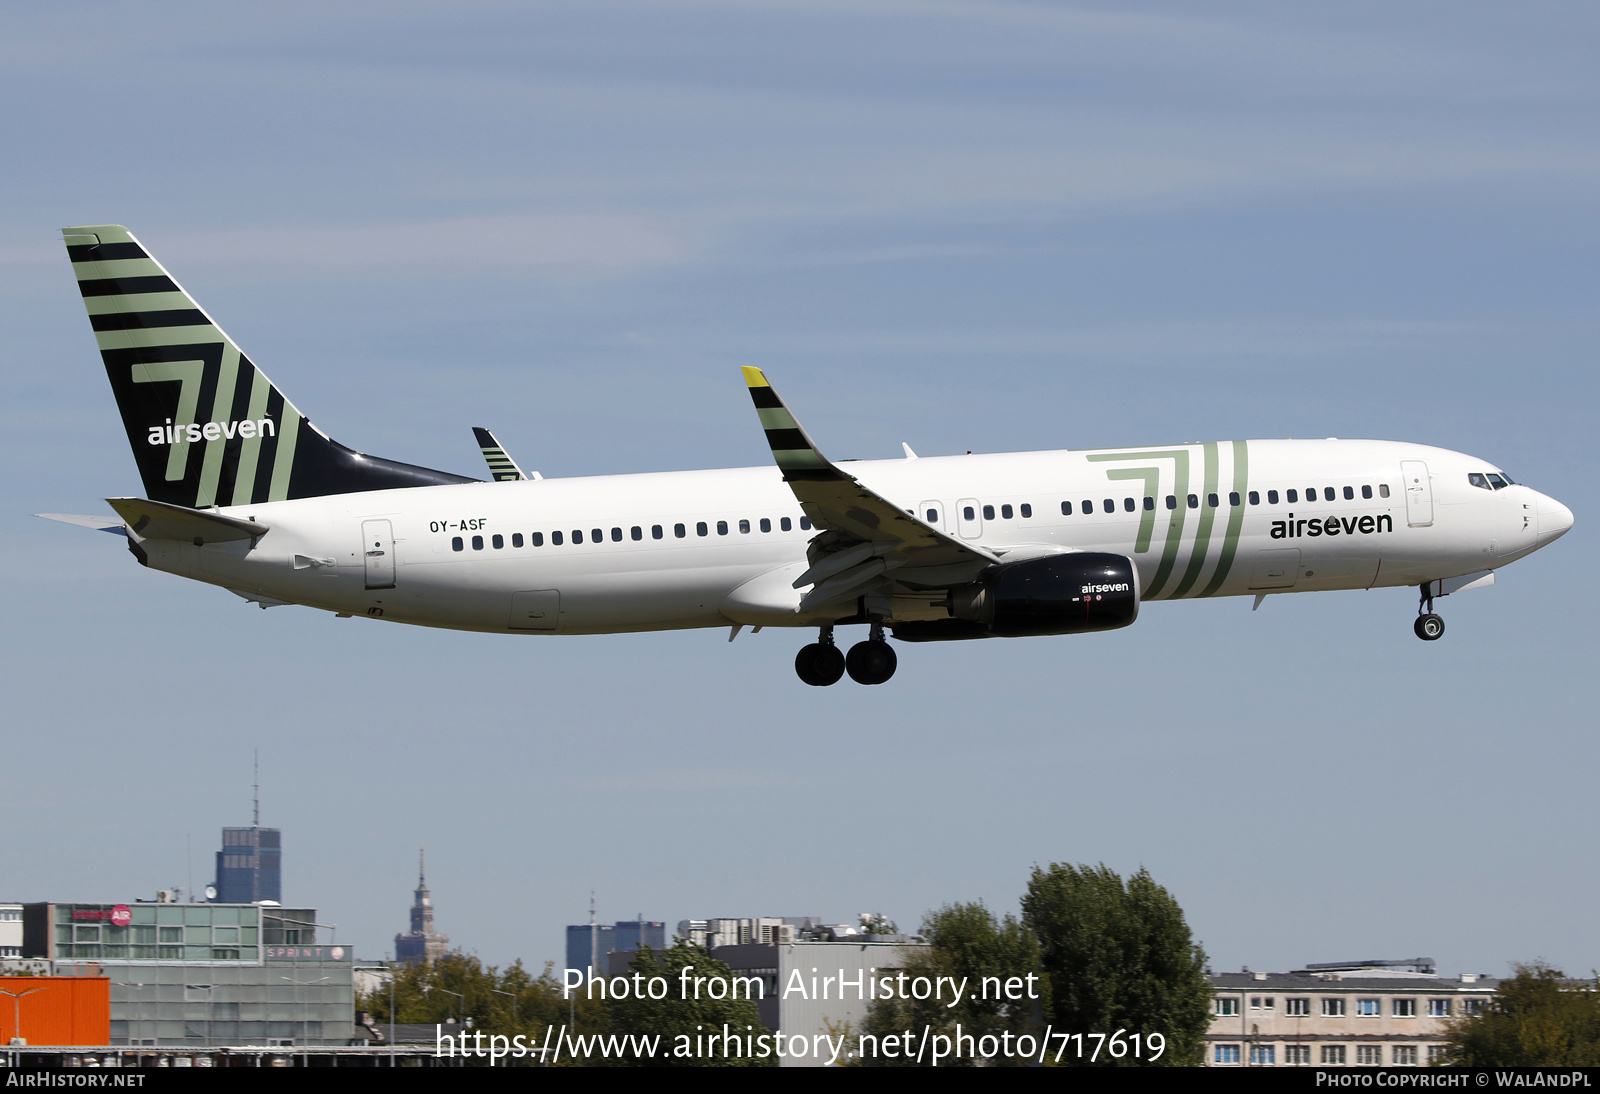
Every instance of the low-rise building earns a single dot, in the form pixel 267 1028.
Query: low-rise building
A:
pixel 1354 1014
pixel 202 974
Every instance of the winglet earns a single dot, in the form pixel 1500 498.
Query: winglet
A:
pixel 796 454
pixel 501 466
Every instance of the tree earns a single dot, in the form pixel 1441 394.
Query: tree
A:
pixel 1539 1019
pixel 1119 957
pixel 459 986
pixel 967 943
pixel 698 1007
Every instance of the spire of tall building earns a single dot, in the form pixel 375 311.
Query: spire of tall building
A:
pixel 422 946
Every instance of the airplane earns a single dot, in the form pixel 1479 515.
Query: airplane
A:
pixel 245 493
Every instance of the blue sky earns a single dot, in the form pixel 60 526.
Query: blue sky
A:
pixel 965 226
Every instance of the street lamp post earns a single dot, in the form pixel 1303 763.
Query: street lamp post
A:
pixel 16 1012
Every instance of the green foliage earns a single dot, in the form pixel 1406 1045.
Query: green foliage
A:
pixel 967 943
pixel 682 1017
pixel 1539 1019
pixel 688 1011
pixel 1119 957
pixel 531 1005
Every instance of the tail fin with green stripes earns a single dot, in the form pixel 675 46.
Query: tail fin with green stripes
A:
pixel 207 427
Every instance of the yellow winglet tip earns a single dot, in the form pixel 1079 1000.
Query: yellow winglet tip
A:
pixel 753 376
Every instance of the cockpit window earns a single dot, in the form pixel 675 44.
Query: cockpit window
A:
pixel 1499 482
pixel 1509 480
pixel 1479 480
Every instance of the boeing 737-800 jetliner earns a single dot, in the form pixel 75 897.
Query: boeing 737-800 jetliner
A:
pixel 245 493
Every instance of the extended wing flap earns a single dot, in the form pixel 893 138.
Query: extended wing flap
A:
pixel 158 520
pixel 856 515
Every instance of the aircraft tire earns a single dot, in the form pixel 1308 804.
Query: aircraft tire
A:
pixel 1429 627
pixel 870 662
pixel 819 665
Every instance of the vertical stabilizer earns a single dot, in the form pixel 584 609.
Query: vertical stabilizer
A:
pixel 207 427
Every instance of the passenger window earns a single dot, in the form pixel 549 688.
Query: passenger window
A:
pixel 969 513
pixel 616 535
pixel 1066 508
pixel 577 535
pixel 498 541
pixel 1005 512
pixel 679 530
pixel 1255 497
pixel 932 516
pixel 805 524
pixel 1172 501
pixel 784 525
pixel 1110 505
pixel 636 532
pixel 1088 507
pixel 1349 493
pixel 744 527
pixel 1328 494
pixel 598 536
pixel 516 539
pixel 1233 498
pixel 1366 491
pixel 555 539
pixel 1149 504
pixel 655 531
pixel 988 512
pixel 1025 510
pixel 1211 500
pixel 701 529
pixel 722 527
pixel 477 543
pixel 766 524
pixel 1194 501
pixel 1383 490
pixel 1272 497
pixel 1292 495
pixel 456 544
pixel 538 539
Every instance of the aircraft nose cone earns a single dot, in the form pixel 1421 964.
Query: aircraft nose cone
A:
pixel 1554 519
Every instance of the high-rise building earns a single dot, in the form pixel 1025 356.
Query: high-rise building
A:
pixel 250 864
pixel 589 943
pixel 421 946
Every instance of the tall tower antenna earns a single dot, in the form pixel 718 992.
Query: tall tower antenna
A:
pixel 255 814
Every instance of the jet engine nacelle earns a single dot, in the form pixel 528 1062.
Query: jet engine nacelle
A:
pixel 1056 594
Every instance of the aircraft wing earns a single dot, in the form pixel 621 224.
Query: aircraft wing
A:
pixel 865 536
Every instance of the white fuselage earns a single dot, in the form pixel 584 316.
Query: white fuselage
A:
pixel 433 551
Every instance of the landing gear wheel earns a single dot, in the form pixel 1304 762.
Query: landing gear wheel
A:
pixel 819 665
pixel 1429 627
pixel 870 662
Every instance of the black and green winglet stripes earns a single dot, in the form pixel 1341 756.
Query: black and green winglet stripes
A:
pixel 796 454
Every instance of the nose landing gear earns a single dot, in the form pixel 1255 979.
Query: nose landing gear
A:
pixel 1428 627
pixel 820 663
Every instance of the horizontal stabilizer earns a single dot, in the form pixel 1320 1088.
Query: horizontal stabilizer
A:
pixel 158 520
pixel 99 524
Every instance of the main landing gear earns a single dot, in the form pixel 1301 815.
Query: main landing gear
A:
pixel 1429 627
pixel 869 662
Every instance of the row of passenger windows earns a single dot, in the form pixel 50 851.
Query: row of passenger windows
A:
pixel 636 533
pixel 1132 505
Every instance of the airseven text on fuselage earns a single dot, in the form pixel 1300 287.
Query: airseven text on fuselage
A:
pixel 1330 526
